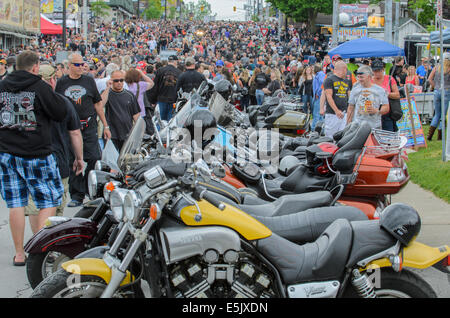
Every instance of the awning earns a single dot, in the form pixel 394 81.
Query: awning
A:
pixel 366 47
pixel 48 27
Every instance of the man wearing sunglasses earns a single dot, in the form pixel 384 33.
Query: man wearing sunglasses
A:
pixel 83 93
pixel 121 108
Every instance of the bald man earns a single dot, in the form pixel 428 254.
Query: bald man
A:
pixel 83 93
pixel 337 91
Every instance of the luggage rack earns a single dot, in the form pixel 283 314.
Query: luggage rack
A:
pixel 388 142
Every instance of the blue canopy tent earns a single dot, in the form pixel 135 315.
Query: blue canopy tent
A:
pixel 435 36
pixel 366 47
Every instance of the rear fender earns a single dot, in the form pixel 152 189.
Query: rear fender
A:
pixel 417 255
pixel 69 238
pixel 93 267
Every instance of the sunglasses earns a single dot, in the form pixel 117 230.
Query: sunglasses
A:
pixel 118 80
pixel 359 73
pixel 77 64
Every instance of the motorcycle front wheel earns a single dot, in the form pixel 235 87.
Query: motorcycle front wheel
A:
pixel 391 284
pixel 41 265
pixel 62 284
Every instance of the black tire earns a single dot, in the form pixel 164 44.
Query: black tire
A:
pixel 57 283
pixel 34 268
pixel 397 285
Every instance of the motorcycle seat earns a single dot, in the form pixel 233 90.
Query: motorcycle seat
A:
pixel 323 259
pixel 287 204
pixel 290 203
pixel 306 226
pixel 368 239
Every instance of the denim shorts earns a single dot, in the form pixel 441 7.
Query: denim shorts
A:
pixel 21 177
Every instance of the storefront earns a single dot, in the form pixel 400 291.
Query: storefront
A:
pixel 19 22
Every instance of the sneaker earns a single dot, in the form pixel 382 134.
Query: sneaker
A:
pixel 74 204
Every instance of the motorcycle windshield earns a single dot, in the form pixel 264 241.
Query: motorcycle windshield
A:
pixel 178 120
pixel 218 107
pixel 133 144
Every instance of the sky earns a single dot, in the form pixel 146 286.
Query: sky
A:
pixel 224 9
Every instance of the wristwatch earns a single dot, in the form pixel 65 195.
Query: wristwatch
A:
pixel 107 127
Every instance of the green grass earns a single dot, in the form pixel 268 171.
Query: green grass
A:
pixel 428 170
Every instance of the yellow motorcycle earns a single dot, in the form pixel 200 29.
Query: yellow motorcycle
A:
pixel 187 243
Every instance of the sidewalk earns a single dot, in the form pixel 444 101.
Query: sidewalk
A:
pixel 434 212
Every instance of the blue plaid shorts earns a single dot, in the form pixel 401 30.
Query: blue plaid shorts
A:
pixel 40 178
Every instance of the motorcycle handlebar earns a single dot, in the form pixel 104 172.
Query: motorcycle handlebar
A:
pixel 201 193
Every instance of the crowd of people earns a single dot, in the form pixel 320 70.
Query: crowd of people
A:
pixel 58 110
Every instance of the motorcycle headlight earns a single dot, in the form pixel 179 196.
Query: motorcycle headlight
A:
pixel 92 184
pixel 109 188
pixel 396 175
pixel 96 181
pixel 116 203
pixel 131 206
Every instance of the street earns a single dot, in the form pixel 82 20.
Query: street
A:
pixel 434 212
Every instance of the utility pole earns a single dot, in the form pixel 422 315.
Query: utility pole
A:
pixel 165 10
pixel 397 19
pixel 334 37
pixel 388 21
pixel 85 21
pixel 64 27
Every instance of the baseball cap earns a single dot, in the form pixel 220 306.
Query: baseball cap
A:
pixel 3 61
pixel 377 65
pixel 46 71
pixel 336 57
pixel 220 63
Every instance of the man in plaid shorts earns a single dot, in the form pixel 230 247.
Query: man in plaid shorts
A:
pixel 27 167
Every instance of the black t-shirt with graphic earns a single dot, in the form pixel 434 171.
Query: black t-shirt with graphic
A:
pixel 341 88
pixel 82 93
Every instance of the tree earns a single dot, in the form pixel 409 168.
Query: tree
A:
pixel 99 8
pixel 154 10
pixel 304 10
pixel 200 10
pixel 426 8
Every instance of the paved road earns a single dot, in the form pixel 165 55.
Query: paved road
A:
pixel 435 232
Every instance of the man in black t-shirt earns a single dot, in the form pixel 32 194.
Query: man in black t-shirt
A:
pixel 82 92
pixel 121 107
pixel 337 89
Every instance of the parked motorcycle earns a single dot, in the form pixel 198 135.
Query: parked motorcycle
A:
pixel 371 165
pixel 186 243
pixel 64 238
